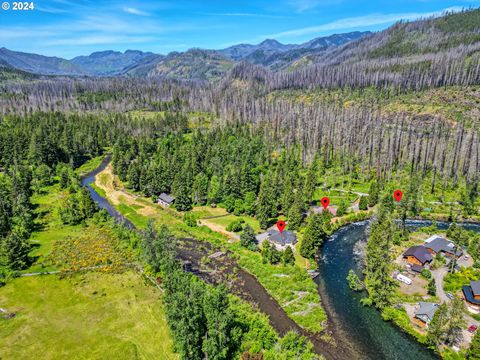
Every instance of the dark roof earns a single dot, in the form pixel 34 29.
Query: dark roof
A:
pixel 284 238
pixel 420 253
pixel 416 268
pixel 167 198
pixel 475 285
pixel 468 293
pixel 426 311
pixel 440 244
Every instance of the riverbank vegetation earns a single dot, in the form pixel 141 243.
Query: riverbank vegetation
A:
pixel 391 111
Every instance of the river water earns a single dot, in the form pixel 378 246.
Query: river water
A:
pixel 362 327
pixel 102 203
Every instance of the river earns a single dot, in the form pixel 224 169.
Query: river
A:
pixel 361 327
pixel 103 203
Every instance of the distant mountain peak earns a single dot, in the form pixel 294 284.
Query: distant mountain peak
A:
pixel 270 42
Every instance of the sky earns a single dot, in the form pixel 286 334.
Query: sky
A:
pixel 68 28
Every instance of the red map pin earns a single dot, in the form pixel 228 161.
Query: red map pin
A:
pixel 325 201
pixel 397 194
pixel 281 225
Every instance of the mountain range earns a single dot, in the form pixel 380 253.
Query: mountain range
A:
pixel 193 63
pixel 404 47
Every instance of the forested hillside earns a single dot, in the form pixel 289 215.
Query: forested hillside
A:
pixel 238 139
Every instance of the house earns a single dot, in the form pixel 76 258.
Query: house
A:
pixel 418 255
pixel 280 239
pixel 439 245
pixel 425 313
pixel 472 293
pixel 320 209
pixel 165 200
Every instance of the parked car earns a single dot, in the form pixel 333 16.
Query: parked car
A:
pixel 450 296
pixel 472 328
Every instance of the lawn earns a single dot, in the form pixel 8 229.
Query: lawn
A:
pixel 207 211
pixel 88 316
pixel 50 228
pixel 225 220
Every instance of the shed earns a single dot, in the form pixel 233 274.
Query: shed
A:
pixel 165 199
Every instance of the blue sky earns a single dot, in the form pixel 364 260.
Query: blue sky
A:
pixel 68 28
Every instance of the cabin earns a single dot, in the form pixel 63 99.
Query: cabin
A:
pixel 438 245
pixel 165 200
pixel 472 293
pixel 279 239
pixel 320 209
pixel 418 255
pixel 424 313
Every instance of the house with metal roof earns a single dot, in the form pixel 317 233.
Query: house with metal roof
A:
pixel 280 239
pixel 472 293
pixel 443 246
pixel 165 200
pixel 425 312
pixel 418 255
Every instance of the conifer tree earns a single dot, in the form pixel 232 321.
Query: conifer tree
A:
pixel 247 238
pixel 296 212
pixel 288 256
pixel 265 204
pixel 313 237
pixel 379 268
pixel 219 323
pixel 183 201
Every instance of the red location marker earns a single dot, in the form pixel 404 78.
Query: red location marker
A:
pixel 281 225
pixel 397 194
pixel 325 201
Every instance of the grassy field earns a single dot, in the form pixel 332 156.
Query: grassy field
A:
pixel 225 220
pixel 88 316
pixel 50 228
pixel 290 286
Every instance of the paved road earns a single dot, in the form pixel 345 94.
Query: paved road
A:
pixel 438 275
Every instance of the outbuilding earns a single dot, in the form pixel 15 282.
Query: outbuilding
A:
pixel 165 200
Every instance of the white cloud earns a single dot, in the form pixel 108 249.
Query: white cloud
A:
pixel 135 11
pixel 100 40
pixel 356 22
pixel 301 6
pixel 244 15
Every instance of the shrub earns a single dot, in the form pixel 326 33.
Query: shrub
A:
pixel 426 274
pixel 235 226
pixel 363 204
pixel 190 219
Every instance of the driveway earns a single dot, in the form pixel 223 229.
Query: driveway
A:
pixel 438 275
